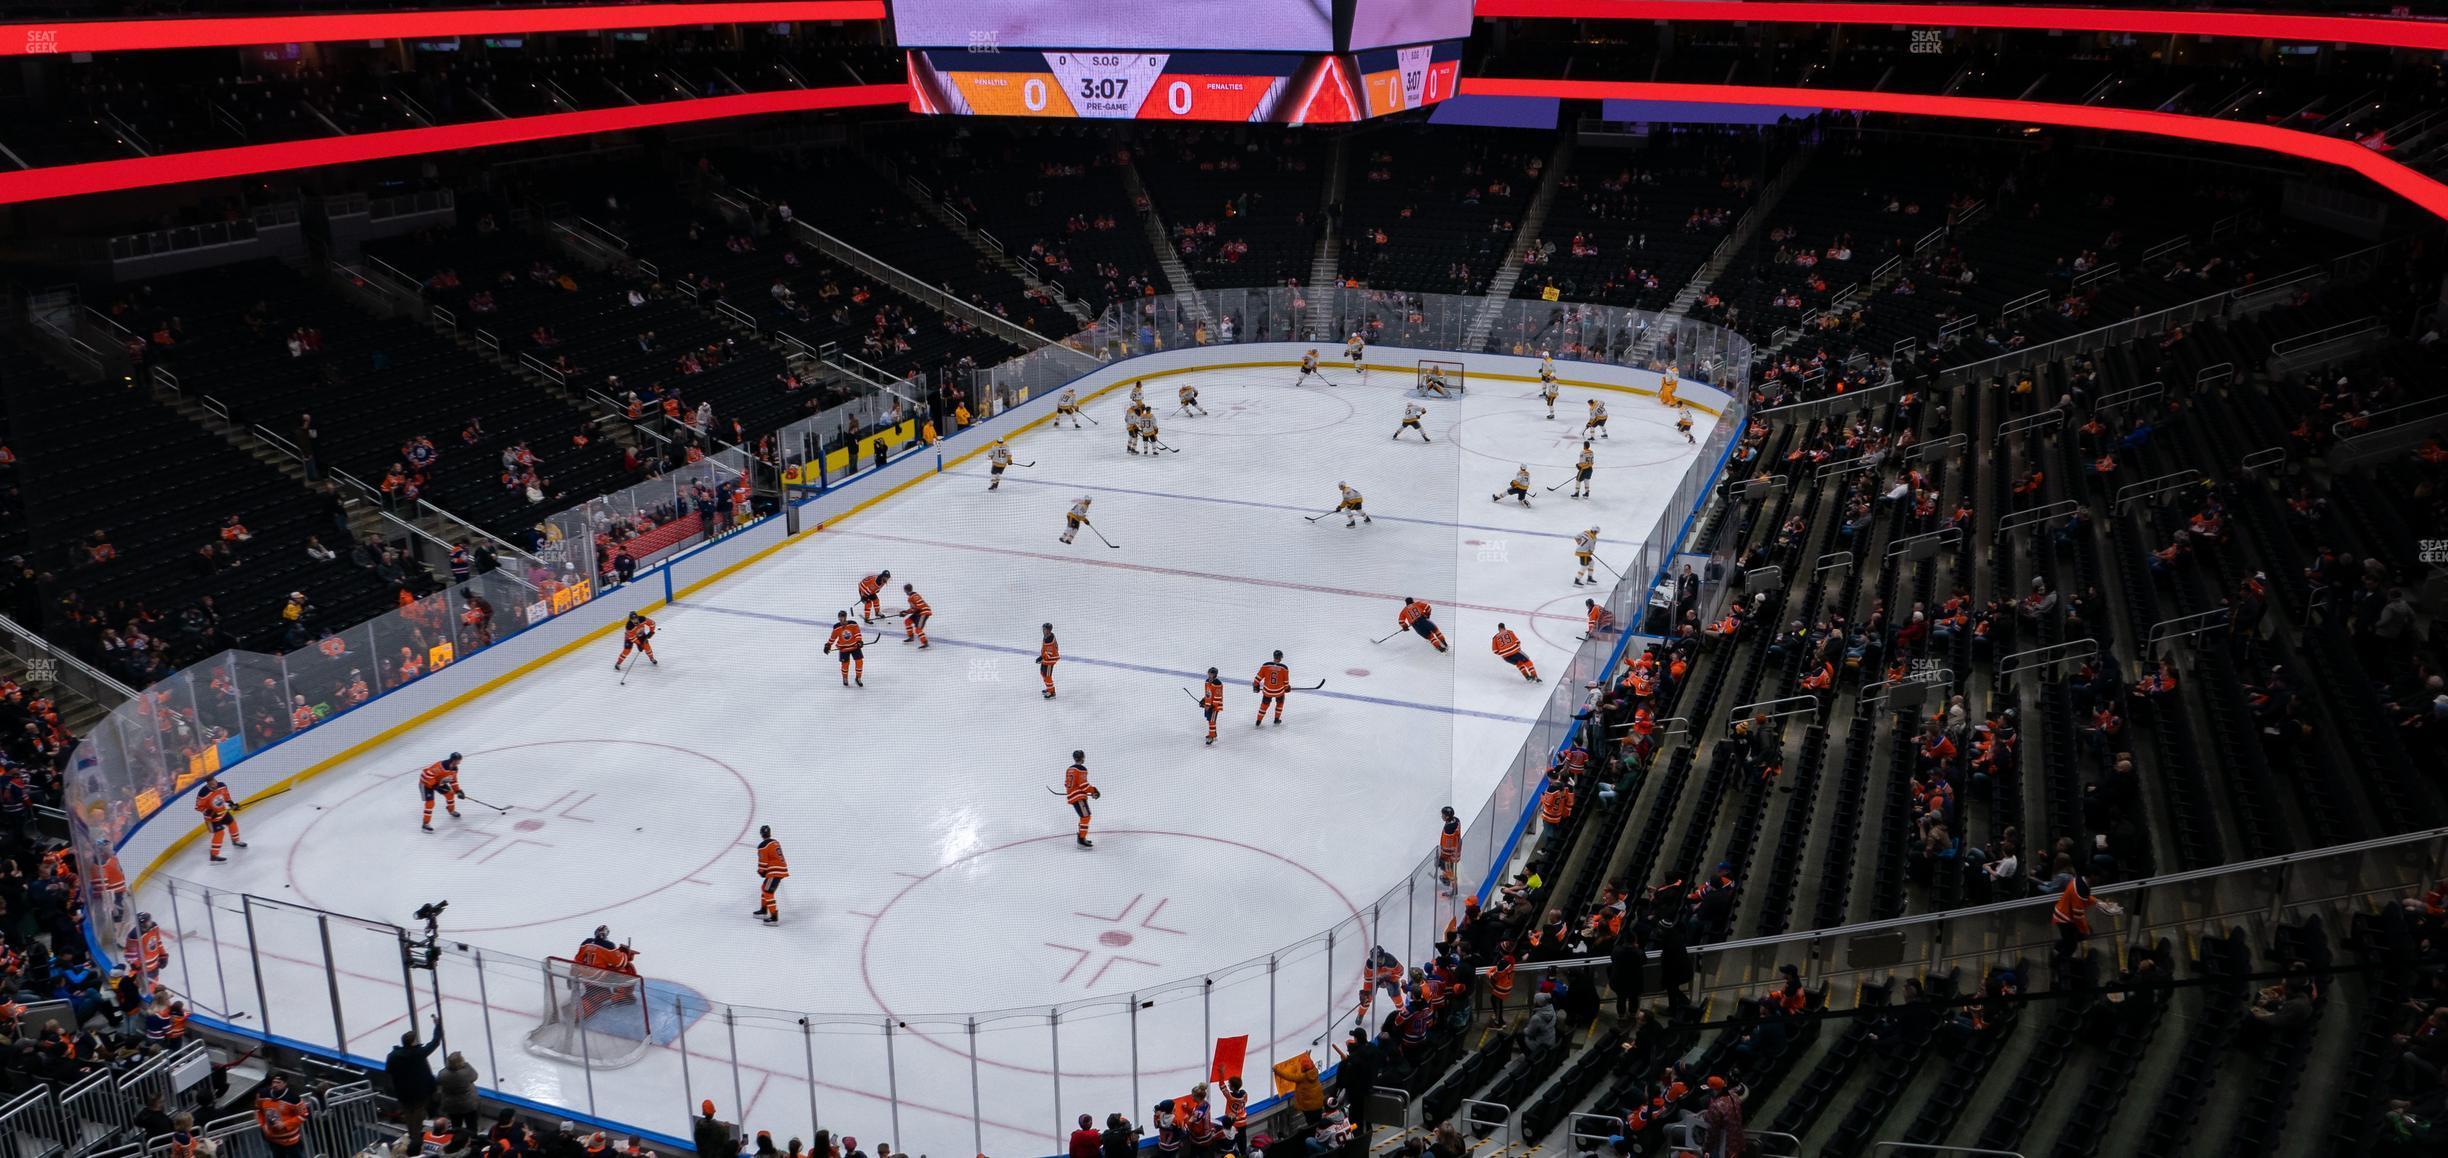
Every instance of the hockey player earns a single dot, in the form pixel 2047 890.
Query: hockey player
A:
pixel 1130 429
pixel 146 955
pixel 1048 652
pixel 1308 369
pixel 998 460
pixel 1517 490
pixel 1508 648
pixel 1271 682
pixel 1666 390
pixel 1434 385
pixel 914 617
pixel 1350 506
pixel 1582 469
pixel 1412 413
pixel 1189 400
pixel 637 634
pixel 1596 420
pixel 871 596
pixel 1449 850
pixel 772 870
pixel 846 641
pixel 1138 398
pixel 1211 702
pixel 1077 518
pixel 1077 792
pixel 440 780
pixel 1066 405
pixel 1683 426
pixel 1548 389
pixel 1585 549
pixel 1147 427
pixel 220 813
pixel 1356 349
pixel 1601 620
pixel 1414 615
pixel 598 952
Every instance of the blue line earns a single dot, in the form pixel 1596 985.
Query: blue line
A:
pixel 1276 507
pixel 1121 666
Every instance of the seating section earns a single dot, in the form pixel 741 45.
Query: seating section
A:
pixel 1246 204
pixel 1631 227
pixel 1057 196
pixel 1436 210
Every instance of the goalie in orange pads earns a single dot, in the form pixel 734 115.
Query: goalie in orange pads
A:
pixel 598 952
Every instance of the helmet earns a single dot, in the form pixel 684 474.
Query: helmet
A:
pixel 453 756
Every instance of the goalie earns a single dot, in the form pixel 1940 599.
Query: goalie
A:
pixel 598 952
pixel 1433 384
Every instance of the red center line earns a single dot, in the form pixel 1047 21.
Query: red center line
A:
pixel 1183 573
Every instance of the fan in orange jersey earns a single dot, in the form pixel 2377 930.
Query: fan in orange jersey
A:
pixel 1508 648
pixel 1414 615
pixel 1449 850
pixel 1271 682
pixel 637 635
pixel 1211 702
pixel 914 617
pixel 220 811
pixel 1077 792
pixel 870 601
pixel 847 643
pixel 440 780
pixel 771 870
pixel 1047 653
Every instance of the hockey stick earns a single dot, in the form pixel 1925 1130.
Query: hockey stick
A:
pixel 1608 566
pixel 1316 517
pixel 1558 486
pixel 1026 464
pixel 624 670
pixel 486 803
pixel 1100 535
pixel 1153 441
pixel 1311 688
pixel 1395 632
pixel 1090 417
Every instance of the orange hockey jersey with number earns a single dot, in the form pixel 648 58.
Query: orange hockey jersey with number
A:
pixel 638 632
pixel 1047 652
pixel 869 586
pixel 1507 644
pixel 1411 613
pixel 1076 788
pixel 1272 679
pixel 845 637
pixel 435 775
pixel 1214 699
pixel 770 864
pixel 918 605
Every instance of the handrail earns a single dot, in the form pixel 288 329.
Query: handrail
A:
pixel 2181 626
pixel 2015 662
pixel 101 687
pixel 2116 398
pixel 2149 487
pixel 542 367
pixel 2040 420
pixel 740 316
pixel 1782 708
pixel 2035 516
pixel 2289 347
pixel 916 287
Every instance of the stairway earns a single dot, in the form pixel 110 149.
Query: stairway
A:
pixel 1168 258
pixel 984 242
pixel 1744 230
pixel 1326 268
pixel 1525 235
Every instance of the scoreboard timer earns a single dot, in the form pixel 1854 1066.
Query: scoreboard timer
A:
pixel 1291 88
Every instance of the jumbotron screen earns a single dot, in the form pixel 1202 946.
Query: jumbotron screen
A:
pixel 1287 88
pixel 1179 25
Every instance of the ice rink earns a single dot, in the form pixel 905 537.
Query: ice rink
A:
pixel 932 873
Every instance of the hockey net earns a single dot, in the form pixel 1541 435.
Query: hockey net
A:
pixel 1454 375
pixel 593 1017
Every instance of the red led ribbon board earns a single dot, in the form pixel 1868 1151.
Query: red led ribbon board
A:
pixel 211 164
pixel 221 31
pixel 2396 178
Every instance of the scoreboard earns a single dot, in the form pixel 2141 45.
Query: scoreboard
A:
pixel 1282 87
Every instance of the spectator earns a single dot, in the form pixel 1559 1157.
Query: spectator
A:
pixel 455 1090
pixel 409 1067
pixel 281 1116
pixel 712 1138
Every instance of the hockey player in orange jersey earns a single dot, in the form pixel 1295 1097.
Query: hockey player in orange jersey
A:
pixel 220 812
pixel 870 598
pixel 440 780
pixel 914 617
pixel 1508 648
pixel 1211 702
pixel 1077 792
pixel 598 952
pixel 1048 653
pixel 637 635
pixel 771 871
pixel 846 642
pixel 1414 617
pixel 1271 682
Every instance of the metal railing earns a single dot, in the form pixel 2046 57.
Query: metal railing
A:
pixel 45 663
